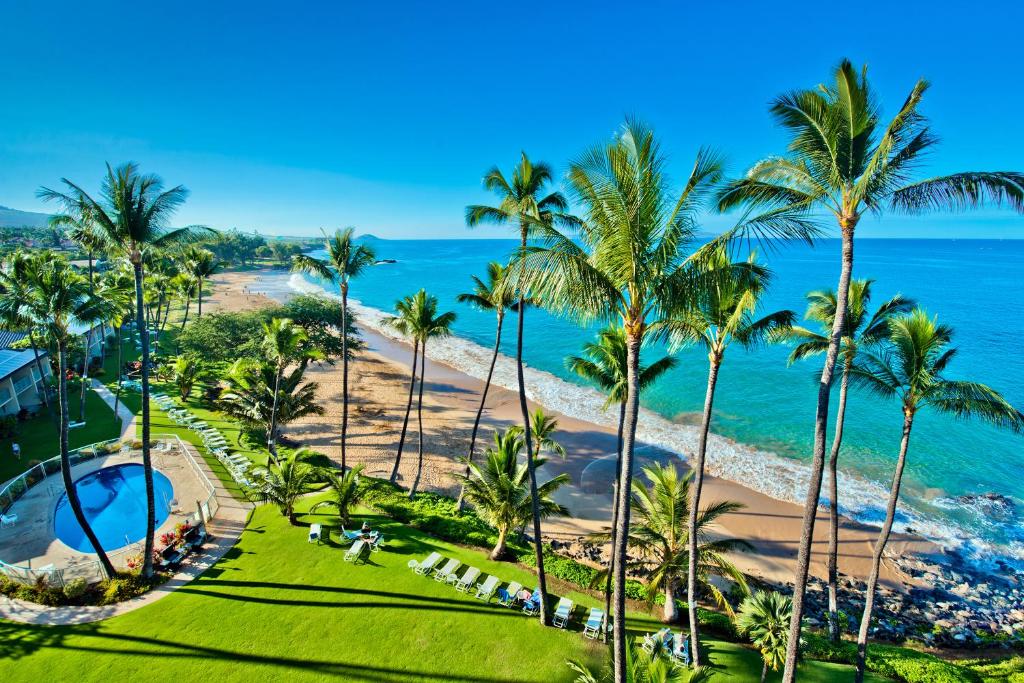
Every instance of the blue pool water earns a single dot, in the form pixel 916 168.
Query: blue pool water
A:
pixel 114 502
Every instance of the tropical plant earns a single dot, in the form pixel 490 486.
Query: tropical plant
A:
pixel 130 217
pixel 116 288
pixel 282 342
pixel 493 295
pixel 186 371
pixel 604 364
pixel 722 313
pixel 344 491
pixel 249 394
pixel 59 299
pixel 15 314
pixel 859 330
pixel 524 204
pixel 184 286
pixel 419 320
pixel 911 368
pixel 499 488
pixel 345 260
pixel 641 666
pixel 282 483
pixel 843 162
pixel 80 228
pixel 764 618
pixel 202 265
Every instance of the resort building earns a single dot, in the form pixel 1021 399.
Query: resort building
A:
pixel 20 383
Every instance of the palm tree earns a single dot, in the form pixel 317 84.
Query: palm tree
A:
pixel 764 618
pixel 623 263
pixel 418 319
pixel 493 295
pixel 59 298
pixel 659 534
pixel 910 367
pixel 641 667
pixel 525 204
pixel 186 371
pixel 184 286
pixel 283 343
pixel 604 364
pixel 720 314
pixel 80 228
pixel 344 491
pixel 131 216
pixel 249 394
pixel 499 488
pixel 15 314
pixel 345 260
pixel 284 482
pixel 842 163
pixel 202 265
pixel 116 288
pixel 859 330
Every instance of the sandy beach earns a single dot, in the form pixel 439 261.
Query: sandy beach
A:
pixel 379 384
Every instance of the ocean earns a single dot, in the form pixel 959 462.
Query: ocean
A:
pixel 767 407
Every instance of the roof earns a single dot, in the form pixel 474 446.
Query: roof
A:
pixel 8 338
pixel 12 361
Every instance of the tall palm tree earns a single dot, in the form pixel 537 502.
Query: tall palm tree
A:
pixel 526 204
pixel 499 488
pixel 605 364
pixel 283 342
pixel 404 322
pixel 843 162
pixel 283 483
pixel 344 491
pixel 80 228
pixel 418 318
pixel 345 260
pixel 202 264
pixel 116 288
pixel 859 330
pixel 722 313
pixel 910 367
pixel 15 314
pixel 764 618
pixel 623 262
pixel 59 298
pixel 660 535
pixel 249 394
pixel 184 286
pixel 131 216
pixel 493 295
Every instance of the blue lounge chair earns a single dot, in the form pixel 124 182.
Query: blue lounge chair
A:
pixel 532 606
pixel 562 613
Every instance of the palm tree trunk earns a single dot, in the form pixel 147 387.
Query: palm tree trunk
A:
pixel 615 519
pixel 833 509
pixel 499 547
pixel 419 422
pixel 803 560
pixel 344 372
pixel 85 375
pixel 188 304
pixel 65 465
pixel 199 299
pixel 670 613
pixel 460 503
pixel 120 372
pixel 147 462
pixel 272 433
pixel 715 362
pixel 408 409
pixel 883 538
pixel 39 368
pixel 764 672
pixel 633 341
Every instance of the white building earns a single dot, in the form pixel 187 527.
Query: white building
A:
pixel 20 383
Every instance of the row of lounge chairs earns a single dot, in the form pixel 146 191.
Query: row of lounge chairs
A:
pixel 172 556
pixel 215 442
pixel 510 596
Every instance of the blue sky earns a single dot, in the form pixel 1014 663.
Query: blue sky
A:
pixel 288 117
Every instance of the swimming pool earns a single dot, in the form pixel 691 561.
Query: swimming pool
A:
pixel 114 503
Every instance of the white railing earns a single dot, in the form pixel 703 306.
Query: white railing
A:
pixel 88 569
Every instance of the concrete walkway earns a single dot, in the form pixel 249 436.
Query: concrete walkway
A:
pixel 225 529
pixel 127 417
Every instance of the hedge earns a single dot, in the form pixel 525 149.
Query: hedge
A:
pixel 902 664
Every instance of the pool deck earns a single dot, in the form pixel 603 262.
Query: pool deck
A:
pixel 32 541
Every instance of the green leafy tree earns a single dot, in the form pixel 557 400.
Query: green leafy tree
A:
pixel 283 483
pixel 131 217
pixel 282 342
pixel 525 204
pixel 911 368
pixel 345 260
pixel 344 493
pixel 249 394
pixel 764 618
pixel 860 330
pixel 499 488
pixel 842 162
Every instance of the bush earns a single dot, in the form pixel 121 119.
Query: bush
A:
pixel 902 664
pixel 124 587
pixel 75 589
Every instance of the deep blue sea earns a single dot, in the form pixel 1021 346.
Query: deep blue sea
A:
pixel 973 285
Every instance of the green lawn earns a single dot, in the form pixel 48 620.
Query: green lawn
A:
pixel 279 608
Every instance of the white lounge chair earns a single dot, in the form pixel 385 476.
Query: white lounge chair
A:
pixel 468 580
pixel 595 622
pixel 426 565
pixel 507 597
pixel 8 520
pixel 652 641
pixel 485 590
pixel 562 613
pixel 376 543
pixel 353 553
pixel 447 572
pixel 314 533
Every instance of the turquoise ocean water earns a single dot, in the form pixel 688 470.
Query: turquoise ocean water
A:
pixel 972 285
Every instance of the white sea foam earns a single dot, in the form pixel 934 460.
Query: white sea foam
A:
pixel 763 471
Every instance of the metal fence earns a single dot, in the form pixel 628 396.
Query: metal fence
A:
pixel 88 569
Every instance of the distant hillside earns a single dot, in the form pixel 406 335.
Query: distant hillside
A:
pixel 12 218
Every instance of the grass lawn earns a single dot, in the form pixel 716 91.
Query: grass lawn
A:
pixel 279 608
pixel 38 437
